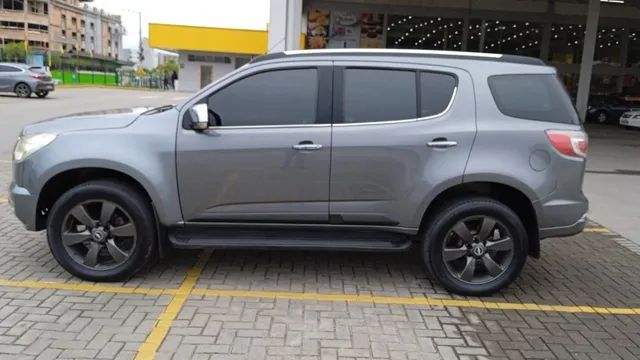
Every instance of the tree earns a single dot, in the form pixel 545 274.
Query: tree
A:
pixel 16 52
pixel 167 68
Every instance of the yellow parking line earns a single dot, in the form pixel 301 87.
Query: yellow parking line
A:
pixel 597 230
pixel 415 301
pixel 150 346
pixel 85 287
pixel 5 161
pixel 3 199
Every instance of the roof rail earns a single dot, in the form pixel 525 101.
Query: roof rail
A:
pixel 401 53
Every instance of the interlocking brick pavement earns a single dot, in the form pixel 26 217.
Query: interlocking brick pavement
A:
pixel 590 269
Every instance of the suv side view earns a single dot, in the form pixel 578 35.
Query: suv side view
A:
pixel 468 158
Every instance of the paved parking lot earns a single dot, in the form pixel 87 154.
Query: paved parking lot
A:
pixel 581 300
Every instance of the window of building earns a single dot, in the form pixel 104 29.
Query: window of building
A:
pixel 74 21
pixel 433 33
pixel 91 25
pixel 241 61
pixel 283 97
pixel 45 7
pixel 513 37
pixel 567 41
pixel 109 43
pixel 209 58
pixel 608 46
pixel 12 25
pixel 82 37
pixel 534 97
pixel 74 35
pixel 379 95
pixel 436 91
pixel 64 33
pixel 38 28
pixel 16 5
pixel 83 23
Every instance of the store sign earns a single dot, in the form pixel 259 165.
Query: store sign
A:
pixel 343 29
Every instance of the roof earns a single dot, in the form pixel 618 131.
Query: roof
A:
pixel 336 53
pixel 207 39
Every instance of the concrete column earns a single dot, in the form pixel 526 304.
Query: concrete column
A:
pixel 586 66
pixel 285 25
pixel 546 32
pixel 465 33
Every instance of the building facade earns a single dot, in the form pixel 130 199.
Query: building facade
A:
pixel 66 26
pixel 556 31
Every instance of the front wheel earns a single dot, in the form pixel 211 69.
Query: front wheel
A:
pixel 42 94
pixel 475 246
pixel 102 231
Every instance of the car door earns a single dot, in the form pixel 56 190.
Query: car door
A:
pixel 400 136
pixel 6 73
pixel 266 155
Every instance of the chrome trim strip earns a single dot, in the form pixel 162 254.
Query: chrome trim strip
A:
pixel 394 51
pixel 446 110
pixel 218 128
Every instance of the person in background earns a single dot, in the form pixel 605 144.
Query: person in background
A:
pixel 174 77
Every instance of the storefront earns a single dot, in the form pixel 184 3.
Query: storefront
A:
pixel 554 31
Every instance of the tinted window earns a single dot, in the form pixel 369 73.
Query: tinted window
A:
pixel 534 97
pixel 379 95
pixel 5 68
pixel 284 97
pixel 436 92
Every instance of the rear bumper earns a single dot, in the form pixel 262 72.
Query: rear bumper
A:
pixel 24 205
pixel 45 86
pixel 564 231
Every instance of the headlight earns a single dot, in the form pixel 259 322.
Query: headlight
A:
pixel 28 144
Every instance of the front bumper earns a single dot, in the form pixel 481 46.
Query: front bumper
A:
pixel 24 205
pixel 564 231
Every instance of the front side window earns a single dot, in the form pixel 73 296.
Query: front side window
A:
pixel 375 95
pixel 281 97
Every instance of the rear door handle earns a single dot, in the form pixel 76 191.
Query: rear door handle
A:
pixel 441 143
pixel 307 146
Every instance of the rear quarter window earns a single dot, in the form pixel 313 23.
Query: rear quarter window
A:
pixel 538 97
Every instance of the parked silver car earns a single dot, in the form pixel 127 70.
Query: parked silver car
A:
pixel 469 159
pixel 24 80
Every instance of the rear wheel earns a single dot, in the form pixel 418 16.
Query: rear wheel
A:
pixel 42 94
pixel 475 246
pixel 102 231
pixel 23 90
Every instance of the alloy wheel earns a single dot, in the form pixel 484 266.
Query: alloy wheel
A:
pixel 477 249
pixel 98 234
pixel 22 90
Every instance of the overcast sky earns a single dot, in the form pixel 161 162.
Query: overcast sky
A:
pixel 245 14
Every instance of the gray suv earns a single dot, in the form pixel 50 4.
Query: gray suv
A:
pixel 468 159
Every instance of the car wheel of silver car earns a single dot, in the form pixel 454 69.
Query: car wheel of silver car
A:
pixel 102 231
pixel 22 90
pixel 42 94
pixel 475 246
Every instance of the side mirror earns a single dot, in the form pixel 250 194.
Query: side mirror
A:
pixel 199 117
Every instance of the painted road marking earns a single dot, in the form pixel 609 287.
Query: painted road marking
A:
pixel 3 199
pixel 5 161
pixel 150 346
pixel 597 230
pixel 86 287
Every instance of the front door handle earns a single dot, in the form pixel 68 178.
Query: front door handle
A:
pixel 441 143
pixel 307 146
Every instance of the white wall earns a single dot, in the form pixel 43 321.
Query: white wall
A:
pixel 189 74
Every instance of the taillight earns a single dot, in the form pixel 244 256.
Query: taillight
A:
pixel 37 76
pixel 569 142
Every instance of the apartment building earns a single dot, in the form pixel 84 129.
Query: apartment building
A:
pixel 67 26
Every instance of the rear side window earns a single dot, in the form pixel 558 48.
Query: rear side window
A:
pixel 374 95
pixel 436 92
pixel 6 68
pixel 533 97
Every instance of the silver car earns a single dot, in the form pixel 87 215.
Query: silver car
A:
pixel 24 80
pixel 468 159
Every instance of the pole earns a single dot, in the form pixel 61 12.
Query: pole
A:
pixel 586 66
pixel 140 50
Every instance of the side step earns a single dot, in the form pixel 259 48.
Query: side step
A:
pixel 294 239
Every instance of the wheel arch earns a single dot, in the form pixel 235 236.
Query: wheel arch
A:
pixel 515 199
pixel 15 87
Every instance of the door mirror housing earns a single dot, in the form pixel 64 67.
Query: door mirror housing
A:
pixel 199 117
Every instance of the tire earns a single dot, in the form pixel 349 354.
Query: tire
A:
pixel 470 211
pixel 22 90
pixel 42 94
pixel 138 243
pixel 602 117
